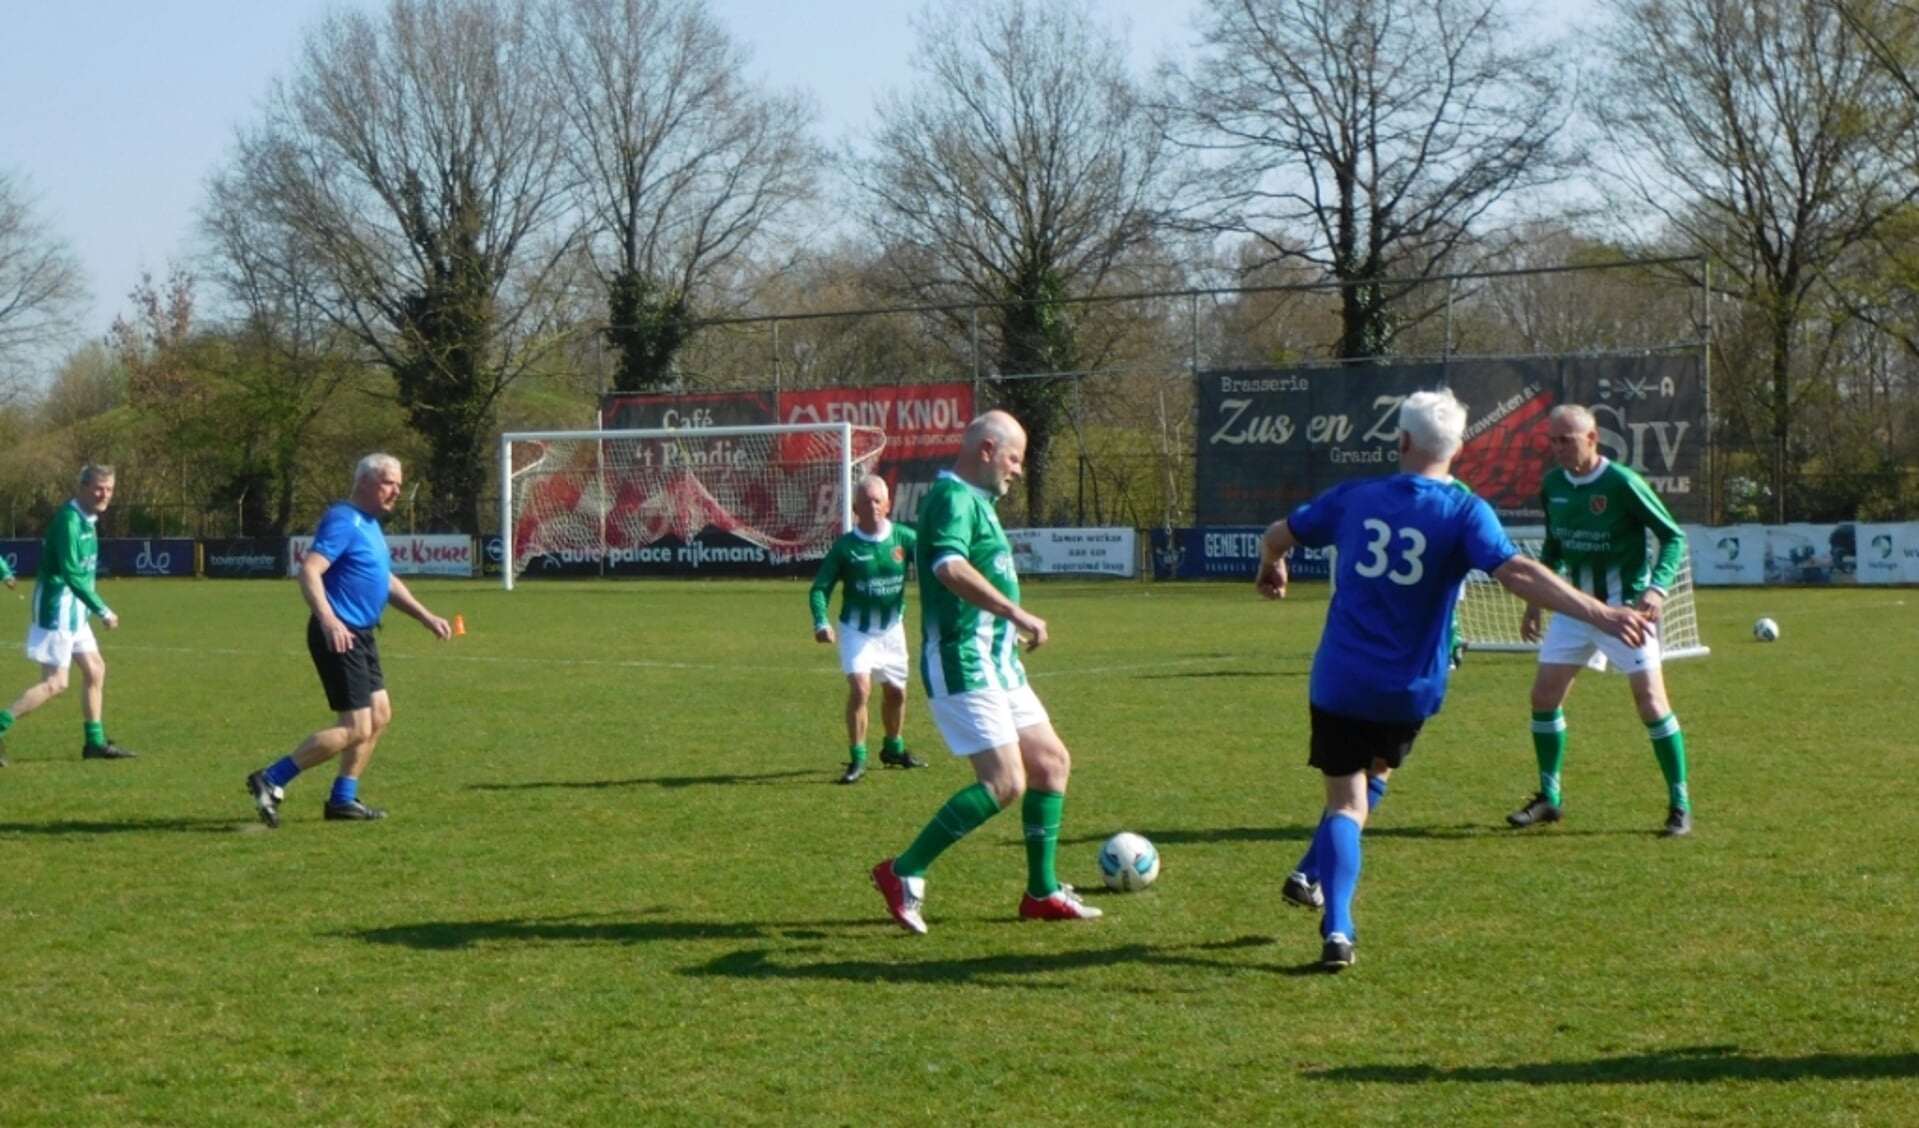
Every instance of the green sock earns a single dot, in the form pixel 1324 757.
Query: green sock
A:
pixel 965 812
pixel 96 732
pixel 857 753
pixel 892 746
pixel 1669 745
pixel 1549 748
pixel 6 719
pixel 1040 810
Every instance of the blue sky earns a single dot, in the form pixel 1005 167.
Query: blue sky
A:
pixel 135 104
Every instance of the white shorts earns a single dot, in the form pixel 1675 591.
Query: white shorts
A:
pixel 883 655
pixel 57 648
pixel 1569 642
pixel 981 719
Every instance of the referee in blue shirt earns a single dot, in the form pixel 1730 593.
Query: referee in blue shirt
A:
pixel 1405 541
pixel 347 579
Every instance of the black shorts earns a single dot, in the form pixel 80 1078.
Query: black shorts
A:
pixel 350 679
pixel 1344 746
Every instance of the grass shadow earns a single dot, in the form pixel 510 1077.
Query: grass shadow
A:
pixel 453 935
pixel 120 826
pixel 1703 1065
pixel 997 970
pixel 665 782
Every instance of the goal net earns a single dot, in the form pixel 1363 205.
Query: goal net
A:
pixel 1489 615
pixel 607 496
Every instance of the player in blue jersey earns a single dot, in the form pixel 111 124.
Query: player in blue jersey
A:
pixel 1405 541
pixel 347 579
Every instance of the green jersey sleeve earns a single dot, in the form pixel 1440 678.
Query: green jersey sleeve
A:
pixel 822 591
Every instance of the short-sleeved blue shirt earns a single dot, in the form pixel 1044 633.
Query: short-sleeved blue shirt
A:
pixel 361 569
pixel 1405 542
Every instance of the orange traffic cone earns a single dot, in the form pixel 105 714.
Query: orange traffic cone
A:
pixel 459 624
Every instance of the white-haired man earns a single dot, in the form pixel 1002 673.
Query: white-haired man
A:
pixel 1405 542
pixel 347 580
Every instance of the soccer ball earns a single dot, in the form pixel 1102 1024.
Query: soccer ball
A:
pixel 1128 862
pixel 1765 630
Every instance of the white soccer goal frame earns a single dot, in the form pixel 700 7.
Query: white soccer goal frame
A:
pixel 1679 627
pixel 507 439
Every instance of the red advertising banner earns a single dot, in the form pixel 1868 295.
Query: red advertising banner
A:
pixel 923 425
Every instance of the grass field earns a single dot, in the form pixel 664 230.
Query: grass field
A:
pixel 618 886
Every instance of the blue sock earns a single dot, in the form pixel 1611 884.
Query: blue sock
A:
pixel 1340 852
pixel 282 771
pixel 1309 862
pixel 344 790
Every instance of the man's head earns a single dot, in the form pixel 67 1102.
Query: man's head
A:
pixel 1574 436
pixel 871 503
pixel 376 484
pixel 94 490
pixel 992 452
pixel 1432 426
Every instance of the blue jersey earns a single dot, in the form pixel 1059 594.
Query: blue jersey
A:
pixel 1405 544
pixel 361 569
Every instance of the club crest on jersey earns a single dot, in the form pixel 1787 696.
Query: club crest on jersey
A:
pixel 899 554
pixel 1599 505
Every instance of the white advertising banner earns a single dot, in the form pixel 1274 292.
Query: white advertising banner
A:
pixel 1728 554
pixel 414 554
pixel 1804 554
pixel 1888 554
pixel 1075 552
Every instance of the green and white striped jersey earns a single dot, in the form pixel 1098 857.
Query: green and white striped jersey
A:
pixel 1596 528
pixel 965 648
pixel 872 571
pixel 63 590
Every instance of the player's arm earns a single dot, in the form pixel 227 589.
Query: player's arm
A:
pixel 339 636
pixel 1273 547
pixel 1540 586
pixel 962 579
pixel 6 572
pixel 63 545
pixel 821 593
pixel 1672 546
pixel 399 595
pixel 1550 554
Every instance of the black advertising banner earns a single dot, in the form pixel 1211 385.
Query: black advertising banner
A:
pixel 245 558
pixel 1226 553
pixel 1269 440
pixel 635 411
pixel 125 556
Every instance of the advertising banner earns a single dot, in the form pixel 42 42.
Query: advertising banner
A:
pixel 707 553
pixel 923 425
pixel 1075 552
pixel 244 558
pixel 1809 554
pixel 127 556
pixel 639 411
pixel 1888 554
pixel 1269 440
pixel 1230 553
pixel 414 554
pixel 23 556
pixel 1730 554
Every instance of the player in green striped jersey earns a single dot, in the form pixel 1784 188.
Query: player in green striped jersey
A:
pixel 868 563
pixel 1598 514
pixel 63 598
pixel 969 658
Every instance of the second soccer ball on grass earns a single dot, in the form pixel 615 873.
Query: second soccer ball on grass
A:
pixel 1128 862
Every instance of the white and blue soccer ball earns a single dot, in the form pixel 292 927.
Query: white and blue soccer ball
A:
pixel 1765 630
pixel 1128 862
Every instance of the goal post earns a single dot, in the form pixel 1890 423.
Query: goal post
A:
pixel 1489 615
pixel 591 495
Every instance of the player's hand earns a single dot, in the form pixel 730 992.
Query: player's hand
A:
pixel 441 629
pixel 111 620
pixel 11 583
pixel 1529 625
pixel 824 634
pixel 1627 624
pixel 1271 582
pixel 1651 604
pixel 339 638
pixel 1033 627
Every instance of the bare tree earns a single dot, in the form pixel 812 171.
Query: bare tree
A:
pixel 413 164
pixel 1765 135
pixel 1369 138
pixel 679 162
pixel 41 285
pixel 1024 168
